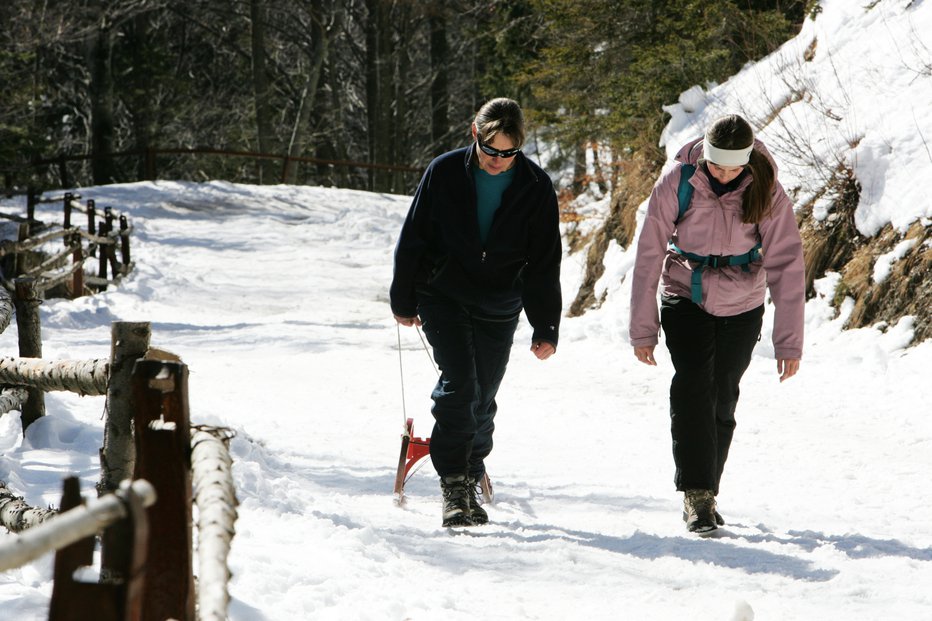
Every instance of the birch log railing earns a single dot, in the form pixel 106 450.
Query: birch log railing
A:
pixel 105 233
pixel 147 438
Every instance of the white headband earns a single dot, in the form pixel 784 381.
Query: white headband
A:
pixel 726 157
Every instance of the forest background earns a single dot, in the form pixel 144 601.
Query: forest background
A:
pixel 386 82
pixel 362 94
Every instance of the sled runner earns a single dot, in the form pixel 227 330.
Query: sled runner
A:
pixel 413 451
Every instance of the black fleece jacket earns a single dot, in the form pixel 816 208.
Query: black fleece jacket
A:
pixel 439 250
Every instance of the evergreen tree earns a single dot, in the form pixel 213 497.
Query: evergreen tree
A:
pixel 608 66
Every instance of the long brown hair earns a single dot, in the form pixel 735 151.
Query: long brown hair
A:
pixel 733 132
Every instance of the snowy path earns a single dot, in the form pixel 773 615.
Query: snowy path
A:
pixel 276 299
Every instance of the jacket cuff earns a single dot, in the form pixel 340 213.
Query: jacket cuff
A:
pixel 399 311
pixel 646 341
pixel 548 334
pixel 788 354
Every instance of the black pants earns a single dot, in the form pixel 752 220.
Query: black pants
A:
pixel 472 352
pixel 710 354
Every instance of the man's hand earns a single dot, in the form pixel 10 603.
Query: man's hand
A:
pixel 787 367
pixel 645 354
pixel 543 349
pixel 408 321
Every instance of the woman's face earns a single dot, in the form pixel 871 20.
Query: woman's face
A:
pixel 490 163
pixel 724 174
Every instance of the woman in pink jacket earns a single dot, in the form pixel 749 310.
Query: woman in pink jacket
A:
pixel 714 260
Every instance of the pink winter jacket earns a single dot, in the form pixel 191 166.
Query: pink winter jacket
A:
pixel 712 226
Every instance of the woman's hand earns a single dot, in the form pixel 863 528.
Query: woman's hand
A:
pixel 787 367
pixel 645 354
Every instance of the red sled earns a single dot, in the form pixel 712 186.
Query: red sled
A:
pixel 413 450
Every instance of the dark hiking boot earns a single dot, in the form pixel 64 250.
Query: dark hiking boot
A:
pixel 719 519
pixel 456 494
pixel 477 513
pixel 699 510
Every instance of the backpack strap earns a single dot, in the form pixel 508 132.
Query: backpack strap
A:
pixel 715 261
pixel 684 192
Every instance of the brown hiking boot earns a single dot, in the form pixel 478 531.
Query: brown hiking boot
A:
pixel 456 510
pixel 699 511
pixel 477 514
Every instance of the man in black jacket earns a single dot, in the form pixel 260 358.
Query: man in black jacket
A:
pixel 480 242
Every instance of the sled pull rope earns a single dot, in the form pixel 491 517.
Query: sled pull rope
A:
pixel 427 351
pixel 401 372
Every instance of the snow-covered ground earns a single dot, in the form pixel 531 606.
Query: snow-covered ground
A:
pixel 276 298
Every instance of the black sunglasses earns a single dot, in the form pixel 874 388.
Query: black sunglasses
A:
pixel 493 152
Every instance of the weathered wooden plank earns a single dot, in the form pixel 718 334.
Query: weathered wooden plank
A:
pixel 163 457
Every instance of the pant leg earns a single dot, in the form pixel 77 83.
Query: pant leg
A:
pixel 448 328
pixel 689 333
pixel 735 338
pixel 493 340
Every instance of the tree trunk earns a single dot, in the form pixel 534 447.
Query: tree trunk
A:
pixel 261 92
pixel 99 47
pixel 318 55
pixel 378 90
pixel 439 95
pixel 579 169
pixel 141 98
pixel 342 177
pixel 398 126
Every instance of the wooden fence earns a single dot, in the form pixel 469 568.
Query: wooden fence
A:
pixel 154 467
pixel 107 233
pixel 149 170
pixel 146 570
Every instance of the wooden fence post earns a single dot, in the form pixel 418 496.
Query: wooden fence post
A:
pixel 110 218
pixel 129 342
pixel 124 242
pixel 150 164
pixel 28 299
pixel 77 279
pixel 67 223
pixel 75 601
pixel 91 222
pixel 32 198
pixel 163 457
pixel 102 255
pixel 21 259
